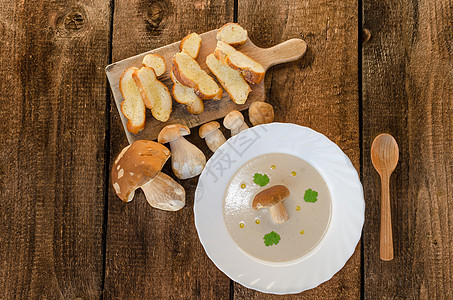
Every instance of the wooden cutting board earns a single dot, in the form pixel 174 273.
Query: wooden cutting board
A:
pixel 285 52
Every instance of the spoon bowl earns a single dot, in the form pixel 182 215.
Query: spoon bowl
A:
pixel 384 156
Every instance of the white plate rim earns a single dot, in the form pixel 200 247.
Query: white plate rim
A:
pixel 348 209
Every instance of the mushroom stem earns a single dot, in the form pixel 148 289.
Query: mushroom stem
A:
pixel 234 121
pixel 187 160
pixel 278 213
pixel 164 193
pixel 235 131
pixel 272 198
pixel 215 139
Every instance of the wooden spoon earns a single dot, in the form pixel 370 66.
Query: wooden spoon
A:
pixel 384 155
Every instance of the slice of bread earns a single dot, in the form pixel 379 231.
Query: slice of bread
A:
pixel 132 107
pixel 154 93
pixel 252 70
pixel 191 45
pixel 232 34
pixel 218 97
pixel 186 95
pixel 190 74
pixel 231 80
pixel 156 62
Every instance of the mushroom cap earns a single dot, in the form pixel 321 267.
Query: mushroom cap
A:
pixel 207 128
pixel 271 196
pixel 136 165
pixel 172 132
pixel 233 119
pixel 261 113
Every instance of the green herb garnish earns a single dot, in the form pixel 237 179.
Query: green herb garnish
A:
pixel 311 196
pixel 260 179
pixel 272 238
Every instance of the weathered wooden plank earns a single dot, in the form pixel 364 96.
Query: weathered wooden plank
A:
pixel 407 92
pixel 153 254
pixel 53 85
pixel 320 91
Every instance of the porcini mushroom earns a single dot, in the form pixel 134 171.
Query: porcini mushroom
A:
pixel 273 198
pixel 261 113
pixel 214 138
pixel 234 121
pixel 138 166
pixel 187 160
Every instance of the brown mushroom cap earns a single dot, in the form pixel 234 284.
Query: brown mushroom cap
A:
pixel 233 119
pixel 207 128
pixel 172 132
pixel 261 113
pixel 271 196
pixel 136 165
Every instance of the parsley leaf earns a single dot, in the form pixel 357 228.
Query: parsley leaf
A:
pixel 310 196
pixel 260 179
pixel 272 238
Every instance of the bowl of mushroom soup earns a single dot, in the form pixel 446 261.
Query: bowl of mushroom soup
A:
pixel 279 208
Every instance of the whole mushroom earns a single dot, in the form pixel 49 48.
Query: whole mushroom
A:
pixel 261 113
pixel 214 138
pixel 187 160
pixel 139 165
pixel 234 121
pixel 272 198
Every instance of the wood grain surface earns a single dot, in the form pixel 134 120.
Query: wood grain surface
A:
pixel 52 148
pixel 153 254
pixel 407 92
pixel 65 235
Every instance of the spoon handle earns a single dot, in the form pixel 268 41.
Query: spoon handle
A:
pixel 386 243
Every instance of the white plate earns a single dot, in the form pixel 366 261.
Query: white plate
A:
pixel 341 238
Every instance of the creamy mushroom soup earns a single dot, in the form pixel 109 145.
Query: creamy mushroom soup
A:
pixel 308 207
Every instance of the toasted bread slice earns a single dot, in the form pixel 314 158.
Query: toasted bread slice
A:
pixel 189 73
pixel 132 107
pixel 232 34
pixel 186 95
pixel 154 93
pixel 191 45
pixel 231 80
pixel 252 70
pixel 156 62
pixel 218 97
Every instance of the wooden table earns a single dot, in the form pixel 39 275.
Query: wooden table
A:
pixel 372 66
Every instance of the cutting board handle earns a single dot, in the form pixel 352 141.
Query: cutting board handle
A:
pixel 290 50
